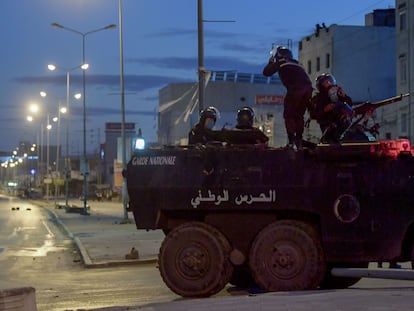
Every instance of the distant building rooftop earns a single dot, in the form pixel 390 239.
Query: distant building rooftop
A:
pixel 234 76
pixel 381 17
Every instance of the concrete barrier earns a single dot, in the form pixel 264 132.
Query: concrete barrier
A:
pixel 18 299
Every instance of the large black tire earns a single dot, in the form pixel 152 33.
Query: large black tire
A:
pixel 287 255
pixel 194 260
pixel 335 282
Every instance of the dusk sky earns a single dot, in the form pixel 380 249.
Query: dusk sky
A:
pixel 160 47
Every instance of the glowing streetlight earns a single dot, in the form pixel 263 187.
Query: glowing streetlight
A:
pixel 34 108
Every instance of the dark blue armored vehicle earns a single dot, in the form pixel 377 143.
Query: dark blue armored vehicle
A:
pixel 273 217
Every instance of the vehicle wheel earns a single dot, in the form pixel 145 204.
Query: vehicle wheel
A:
pixel 194 260
pixel 336 282
pixel 287 255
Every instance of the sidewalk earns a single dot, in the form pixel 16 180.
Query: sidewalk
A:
pixel 102 237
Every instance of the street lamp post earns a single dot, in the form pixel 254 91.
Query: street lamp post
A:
pixel 55 119
pixel 34 109
pixel 123 135
pixel 201 69
pixel 84 166
pixel 58 152
pixel 52 67
pixel 48 128
pixel 58 148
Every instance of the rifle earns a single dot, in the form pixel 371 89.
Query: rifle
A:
pixel 368 106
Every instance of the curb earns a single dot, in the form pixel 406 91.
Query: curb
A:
pixel 87 261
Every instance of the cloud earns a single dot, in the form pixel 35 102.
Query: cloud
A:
pixel 250 44
pixel 174 32
pixel 98 111
pixel 219 63
pixel 139 83
pixel 133 83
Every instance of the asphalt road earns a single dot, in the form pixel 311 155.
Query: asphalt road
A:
pixel 35 252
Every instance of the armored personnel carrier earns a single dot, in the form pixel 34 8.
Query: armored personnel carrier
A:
pixel 270 217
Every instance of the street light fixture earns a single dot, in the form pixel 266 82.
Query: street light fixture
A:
pixel 34 108
pixel 84 166
pixel 53 67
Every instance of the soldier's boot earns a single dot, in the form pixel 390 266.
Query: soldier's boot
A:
pixel 291 141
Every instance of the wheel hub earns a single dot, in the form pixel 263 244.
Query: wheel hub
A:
pixel 194 262
pixel 285 261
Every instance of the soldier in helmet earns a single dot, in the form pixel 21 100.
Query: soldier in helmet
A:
pixel 332 108
pixel 202 132
pixel 251 134
pixel 298 92
pixel 245 118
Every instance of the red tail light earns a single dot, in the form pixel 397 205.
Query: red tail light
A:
pixel 393 147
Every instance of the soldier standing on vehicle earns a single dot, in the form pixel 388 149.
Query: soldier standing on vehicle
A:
pixel 331 108
pixel 202 132
pixel 298 92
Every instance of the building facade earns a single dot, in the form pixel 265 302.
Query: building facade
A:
pixel 398 119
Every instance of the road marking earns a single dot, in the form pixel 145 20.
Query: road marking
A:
pixel 50 233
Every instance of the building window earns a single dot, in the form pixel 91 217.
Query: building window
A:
pixel 328 60
pixel 404 123
pixel 403 20
pixel 318 64
pixel 403 70
pixel 309 67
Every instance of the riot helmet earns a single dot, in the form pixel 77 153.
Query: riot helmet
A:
pixel 324 82
pixel 245 117
pixel 209 116
pixel 283 52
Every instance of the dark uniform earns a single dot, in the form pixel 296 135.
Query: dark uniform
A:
pixel 245 132
pixel 202 132
pixel 298 92
pixel 332 108
pixel 200 135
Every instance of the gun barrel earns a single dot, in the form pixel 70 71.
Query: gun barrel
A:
pixel 364 108
pixel 390 100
